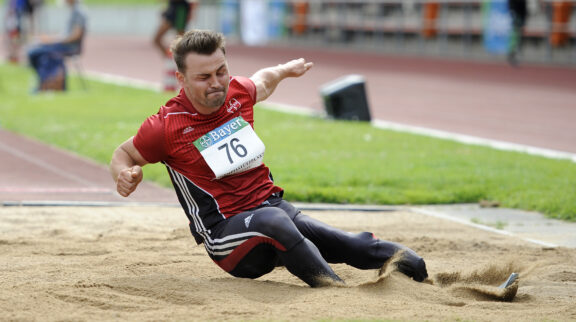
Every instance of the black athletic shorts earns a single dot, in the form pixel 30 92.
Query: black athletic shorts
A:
pixel 178 14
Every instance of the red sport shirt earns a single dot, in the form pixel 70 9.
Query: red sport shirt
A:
pixel 168 137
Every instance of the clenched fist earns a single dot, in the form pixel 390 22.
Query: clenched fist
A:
pixel 128 179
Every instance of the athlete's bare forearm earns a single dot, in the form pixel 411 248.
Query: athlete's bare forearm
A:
pixel 267 79
pixel 126 168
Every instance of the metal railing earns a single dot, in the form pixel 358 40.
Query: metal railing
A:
pixel 448 27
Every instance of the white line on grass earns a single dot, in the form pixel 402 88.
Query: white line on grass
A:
pixel 124 81
pixel 472 140
pixel 292 109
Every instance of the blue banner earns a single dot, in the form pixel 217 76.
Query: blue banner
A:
pixel 276 14
pixel 229 16
pixel 497 26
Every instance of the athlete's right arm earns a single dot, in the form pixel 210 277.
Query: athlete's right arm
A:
pixel 126 167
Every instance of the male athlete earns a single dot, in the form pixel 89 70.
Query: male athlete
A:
pixel 205 138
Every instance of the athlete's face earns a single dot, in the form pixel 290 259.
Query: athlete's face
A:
pixel 205 81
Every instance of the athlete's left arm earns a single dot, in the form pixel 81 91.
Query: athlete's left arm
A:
pixel 267 79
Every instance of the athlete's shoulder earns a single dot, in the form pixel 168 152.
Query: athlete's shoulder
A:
pixel 149 140
pixel 245 84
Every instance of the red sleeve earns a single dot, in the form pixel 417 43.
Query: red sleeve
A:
pixel 149 140
pixel 248 84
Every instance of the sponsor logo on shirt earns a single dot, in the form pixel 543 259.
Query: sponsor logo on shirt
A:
pixel 233 105
pixel 220 133
pixel 188 130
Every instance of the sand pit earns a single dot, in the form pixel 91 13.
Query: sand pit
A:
pixel 125 263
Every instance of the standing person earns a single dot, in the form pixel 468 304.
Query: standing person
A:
pixel 205 138
pixel 18 12
pixel 175 17
pixel 12 27
pixel 519 13
pixel 47 58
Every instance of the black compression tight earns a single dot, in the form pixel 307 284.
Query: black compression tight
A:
pixel 305 246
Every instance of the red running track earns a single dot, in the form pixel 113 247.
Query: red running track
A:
pixel 532 105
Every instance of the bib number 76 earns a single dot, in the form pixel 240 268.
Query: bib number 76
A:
pixel 235 147
pixel 244 149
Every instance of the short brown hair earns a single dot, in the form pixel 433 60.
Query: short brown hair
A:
pixel 203 42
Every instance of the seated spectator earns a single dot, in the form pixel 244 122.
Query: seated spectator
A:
pixel 47 58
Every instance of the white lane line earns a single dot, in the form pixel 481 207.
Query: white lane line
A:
pixel 438 214
pixel 46 166
pixel 55 190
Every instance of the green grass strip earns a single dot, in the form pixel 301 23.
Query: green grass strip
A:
pixel 314 160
